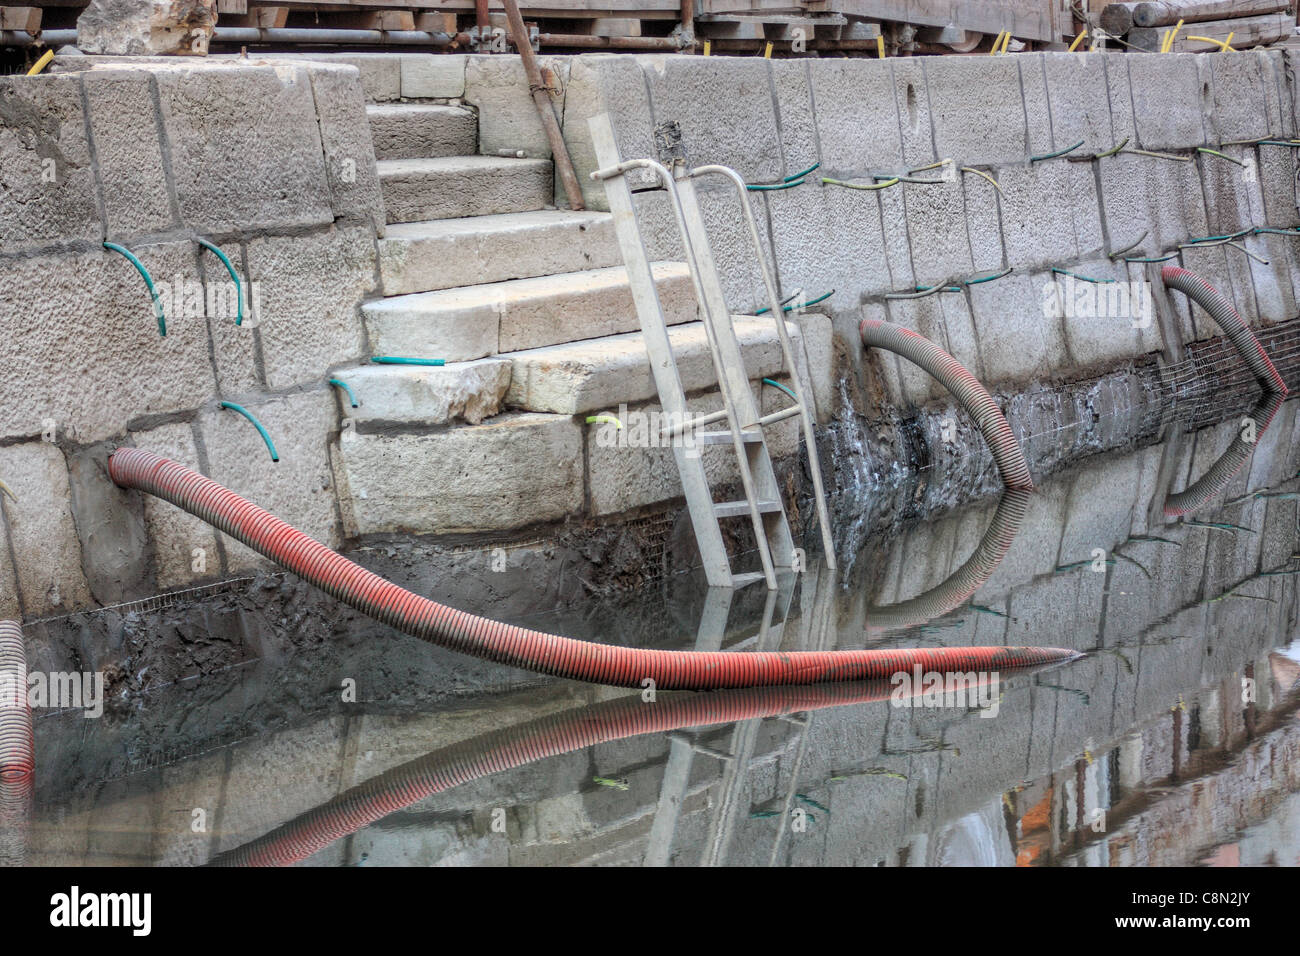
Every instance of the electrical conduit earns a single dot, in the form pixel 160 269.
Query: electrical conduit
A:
pixel 953 376
pixel 520 647
pixel 17 750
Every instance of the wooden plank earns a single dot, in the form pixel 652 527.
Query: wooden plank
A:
pixel 1026 19
pixel 1247 32
pixel 24 19
pixel 1168 12
pixel 231 7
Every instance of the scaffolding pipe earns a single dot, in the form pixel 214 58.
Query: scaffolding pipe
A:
pixel 545 107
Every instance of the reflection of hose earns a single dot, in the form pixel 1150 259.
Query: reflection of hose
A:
pixel 1220 473
pixel 967 579
pixel 519 647
pixel 1225 316
pixel 964 386
pixel 535 740
pixel 17 762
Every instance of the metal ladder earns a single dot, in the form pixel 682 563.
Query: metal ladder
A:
pixel 816 632
pixel 762 502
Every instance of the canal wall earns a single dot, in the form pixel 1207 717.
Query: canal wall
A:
pixel 265 734
pixel 274 161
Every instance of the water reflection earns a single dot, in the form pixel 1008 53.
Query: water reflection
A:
pixel 1174 741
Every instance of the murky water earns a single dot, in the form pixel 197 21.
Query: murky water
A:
pixel 1173 741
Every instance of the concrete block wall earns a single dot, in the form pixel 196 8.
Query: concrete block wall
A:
pixel 271 161
pixel 857 117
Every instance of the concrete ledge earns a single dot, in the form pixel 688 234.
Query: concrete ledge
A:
pixel 451 187
pixel 413 395
pixel 425 256
pixel 411 130
pixel 600 374
pixel 514 471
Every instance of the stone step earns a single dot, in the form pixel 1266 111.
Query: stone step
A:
pixel 443 254
pixel 518 314
pixel 452 187
pixel 413 395
pixel 416 130
pixel 514 470
pixel 599 374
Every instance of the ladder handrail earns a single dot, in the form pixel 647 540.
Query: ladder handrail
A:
pixel 710 320
pixel 787 347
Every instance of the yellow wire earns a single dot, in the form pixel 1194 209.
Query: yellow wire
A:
pixel 997 42
pixel 1077 40
pixel 42 63
pixel 977 172
pixel 1007 42
pixel 8 491
pixel 1170 37
pixel 1223 45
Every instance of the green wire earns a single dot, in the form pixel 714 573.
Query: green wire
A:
pixel 352 396
pixel 148 280
pixel 610 419
pixel 997 275
pixel 768 381
pixel 1130 247
pixel 1059 152
pixel 801 175
pixel 401 360
pixel 270 445
pixel 769 187
pixel 1172 255
pixel 239 295
pixel 789 308
pixel 1075 275
pixel 1112 152
pixel 1215 152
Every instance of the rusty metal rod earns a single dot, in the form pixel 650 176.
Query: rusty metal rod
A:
pixel 545 108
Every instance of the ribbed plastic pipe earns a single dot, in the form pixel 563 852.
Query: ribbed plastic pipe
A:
pixel 520 647
pixel 17 753
pixel 527 743
pixel 1217 476
pixel 1229 320
pixel 17 758
pixel 973 397
pixel 968 578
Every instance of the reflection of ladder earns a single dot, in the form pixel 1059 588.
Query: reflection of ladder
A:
pixel 744 425
pixel 817 631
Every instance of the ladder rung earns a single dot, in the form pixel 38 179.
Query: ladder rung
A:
pixel 694 423
pixel 749 435
pixel 718 416
pixel 733 509
pixel 781 416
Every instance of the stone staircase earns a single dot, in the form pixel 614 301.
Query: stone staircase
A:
pixel 531 309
